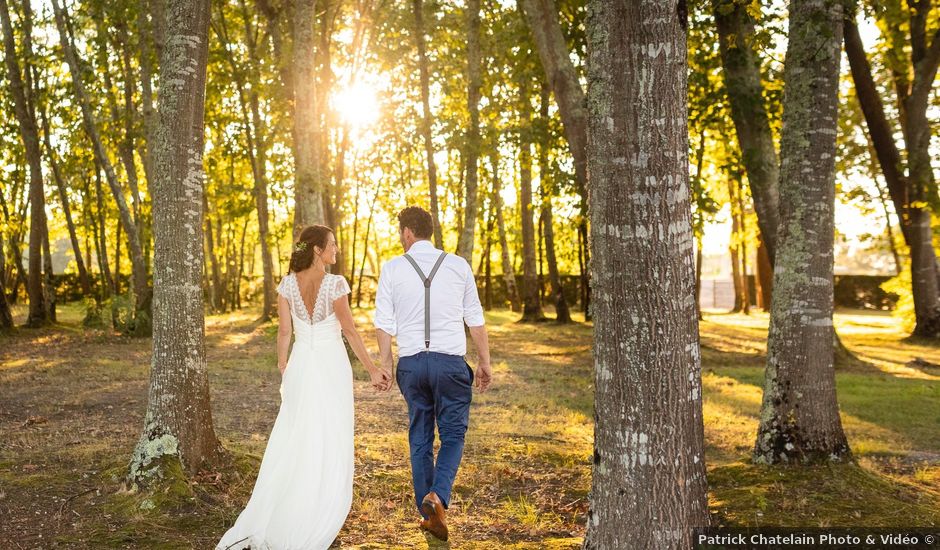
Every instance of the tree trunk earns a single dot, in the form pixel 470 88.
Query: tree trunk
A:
pixel 48 280
pixel 560 73
pixel 909 194
pixel 698 277
pixel 509 275
pixel 472 150
pixel 648 487
pixel 256 145
pixel 546 192
pixel 310 182
pixel 101 238
pixel 531 303
pixel 215 286
pixel 83 277
pixel 742 74
pixel 542 17
pixel 736 263
pixel 142 292
pixel 6 316
pixel 29 134
pixel 145 36
pixel 799 415
pixel 418 9
pixel 178 424
pixel 765 275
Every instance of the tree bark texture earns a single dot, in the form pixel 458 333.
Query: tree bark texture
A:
pixel 648 486
pixel 472 148
pixel 309 179
pixel 799 414
pixel 29 133
pixel 741 69
pixel 178 424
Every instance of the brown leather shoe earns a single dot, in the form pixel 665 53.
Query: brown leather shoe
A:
pixel 433 508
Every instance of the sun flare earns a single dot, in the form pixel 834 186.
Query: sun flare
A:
pixel 357 105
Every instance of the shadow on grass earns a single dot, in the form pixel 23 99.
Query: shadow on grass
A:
pixel 836 495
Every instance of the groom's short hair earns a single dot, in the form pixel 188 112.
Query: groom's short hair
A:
pixel 418 220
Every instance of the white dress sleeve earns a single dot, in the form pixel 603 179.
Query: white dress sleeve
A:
pixel 282 287
pixel 340 288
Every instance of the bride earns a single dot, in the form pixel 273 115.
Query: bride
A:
pixel 304 487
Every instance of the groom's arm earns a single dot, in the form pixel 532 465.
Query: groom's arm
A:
pixel 473 317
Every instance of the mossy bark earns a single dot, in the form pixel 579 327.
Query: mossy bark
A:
pixel 178 424
pixel 741 68
pixel 648 488
pixel 799 414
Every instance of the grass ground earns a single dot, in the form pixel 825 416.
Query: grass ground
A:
pixel 72 403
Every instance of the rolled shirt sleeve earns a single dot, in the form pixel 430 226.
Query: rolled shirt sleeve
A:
pixel 472 309
pixel 384 306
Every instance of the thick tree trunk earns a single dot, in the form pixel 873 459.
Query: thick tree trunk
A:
pixel 310 181
pixel 531 299
pixel 648 486
pixel 546 192
pixel 742 75
pixel 142 292
pixel 799 414
pixel 472 149
pixel 178 424
pixel 30 135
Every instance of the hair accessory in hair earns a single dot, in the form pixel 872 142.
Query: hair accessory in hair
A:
pixel 300 246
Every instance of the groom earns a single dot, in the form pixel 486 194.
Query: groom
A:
pixel 423 299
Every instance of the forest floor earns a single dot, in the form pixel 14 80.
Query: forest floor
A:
pixel 72 403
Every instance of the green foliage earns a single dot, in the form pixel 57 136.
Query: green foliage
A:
pixel 901 285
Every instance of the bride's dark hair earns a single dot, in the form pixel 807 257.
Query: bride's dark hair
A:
pixel 310 237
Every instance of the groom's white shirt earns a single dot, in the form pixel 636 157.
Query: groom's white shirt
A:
pixel 399 301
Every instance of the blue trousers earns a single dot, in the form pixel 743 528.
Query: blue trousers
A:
pixel 438 389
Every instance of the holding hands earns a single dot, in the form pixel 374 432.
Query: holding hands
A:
pixel 381 378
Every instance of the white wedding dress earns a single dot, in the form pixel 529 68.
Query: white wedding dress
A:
pixel 304 488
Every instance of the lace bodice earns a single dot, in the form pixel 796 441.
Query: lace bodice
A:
pixel 332 287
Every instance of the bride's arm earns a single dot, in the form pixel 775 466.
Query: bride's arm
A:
pixel 284 330
pixel 344 314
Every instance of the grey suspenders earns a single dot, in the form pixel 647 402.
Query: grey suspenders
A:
pixel 427 295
